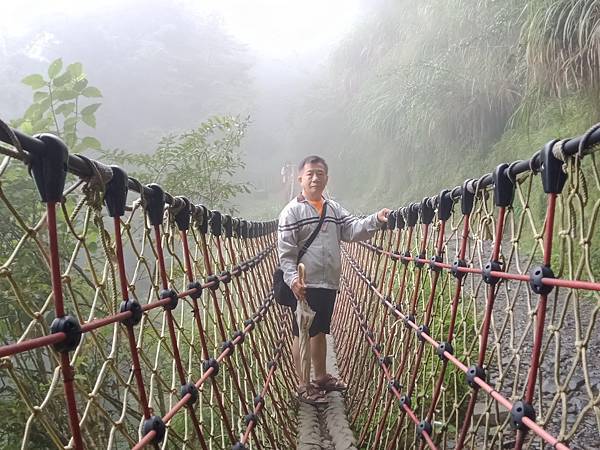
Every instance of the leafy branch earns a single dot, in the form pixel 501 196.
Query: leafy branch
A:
pixel 200 163
pixel 56 105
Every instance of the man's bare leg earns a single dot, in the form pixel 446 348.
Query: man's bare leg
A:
pixel 318 345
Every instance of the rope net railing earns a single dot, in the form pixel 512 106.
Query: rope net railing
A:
pixel 130 317
pixel 133 318
pixel 471 320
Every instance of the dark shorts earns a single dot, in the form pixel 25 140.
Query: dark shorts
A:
pixel 321 302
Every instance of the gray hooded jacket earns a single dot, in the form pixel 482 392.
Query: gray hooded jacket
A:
pixel 323 259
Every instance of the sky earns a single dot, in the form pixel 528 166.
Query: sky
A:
pixel 273 28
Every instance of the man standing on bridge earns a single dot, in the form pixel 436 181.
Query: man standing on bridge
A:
pixel 322 260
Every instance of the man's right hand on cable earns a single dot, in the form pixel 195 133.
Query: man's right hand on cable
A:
pixel 299 289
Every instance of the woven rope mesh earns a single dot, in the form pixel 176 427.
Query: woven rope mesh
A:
pixel 376 284
pixel 108 402
pixel 420 304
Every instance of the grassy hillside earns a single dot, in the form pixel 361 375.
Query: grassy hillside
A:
pixel 423 95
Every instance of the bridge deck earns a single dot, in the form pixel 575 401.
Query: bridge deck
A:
pixel 326 428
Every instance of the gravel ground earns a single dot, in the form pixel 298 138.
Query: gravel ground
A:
pixel 578 370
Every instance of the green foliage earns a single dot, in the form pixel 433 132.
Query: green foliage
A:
pixel 444 91
pixel 57 105
pixel 457 63
pixel 562 46
pixel 198 164
pixel 55 108
pixel 433 93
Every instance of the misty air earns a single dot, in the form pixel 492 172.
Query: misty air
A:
pixel 335 225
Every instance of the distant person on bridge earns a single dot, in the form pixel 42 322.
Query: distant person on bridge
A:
pixel 287 180
pixel 322 260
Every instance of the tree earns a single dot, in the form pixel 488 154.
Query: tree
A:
pixel 199 163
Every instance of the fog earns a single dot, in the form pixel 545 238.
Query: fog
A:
pixel 402 98
pixel 166 66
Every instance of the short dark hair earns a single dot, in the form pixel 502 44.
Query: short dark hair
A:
pixel 312 159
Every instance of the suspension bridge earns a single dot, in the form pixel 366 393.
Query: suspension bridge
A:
pixel 133 318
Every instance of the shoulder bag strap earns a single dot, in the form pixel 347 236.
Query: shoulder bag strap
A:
pixel 313 235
